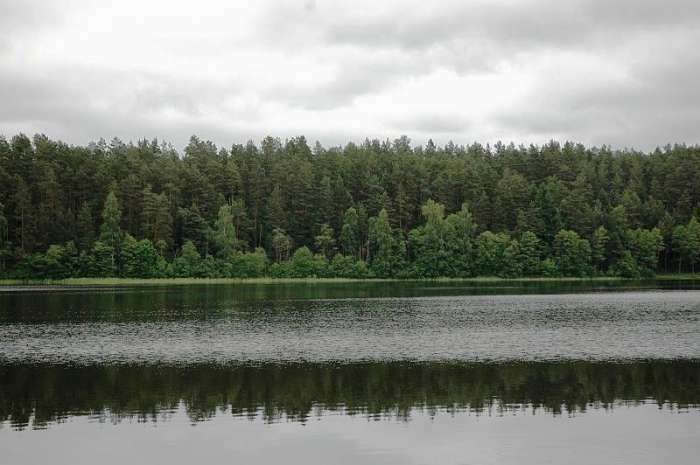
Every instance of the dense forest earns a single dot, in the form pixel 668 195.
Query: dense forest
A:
pixel 378 209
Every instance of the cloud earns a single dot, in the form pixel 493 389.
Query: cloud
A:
pixel 643 103
pixel 436 124
pixel 515 25
pixel 596 71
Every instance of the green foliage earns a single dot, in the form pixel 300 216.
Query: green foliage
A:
pixel 303 264
pixel 110 231
pixel 85 227
pixel 281 244
pixel 572 254
pixel 344 266
pixel 325 242
pixel 156 220
pixel 4 242
pixel 599 248
pixel 189 262
pixel 350 233
pixel 626 266
pixel 428 244
pixel 249 264
pixel 529 253
pixel 644 246
pixel 140 259
pixel 387 247
pixel 491 256
pixel 225 240
pixel 686 241
pixel 399 210
pixel 59 262
pixel 100 262
pixel 549 268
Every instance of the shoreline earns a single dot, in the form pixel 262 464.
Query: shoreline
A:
pixel 199 281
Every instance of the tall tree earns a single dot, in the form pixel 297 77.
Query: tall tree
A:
pixel 225 239
pixel 111 234
pixel 350 238
pixel 85 227
pixel 156 218
pixel 387 249
pixel 325 240
pixel 572 254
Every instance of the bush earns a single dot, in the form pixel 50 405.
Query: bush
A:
pixel 626 266
pixel 347 267
pixel 248 265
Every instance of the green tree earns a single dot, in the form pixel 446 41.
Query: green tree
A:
pixel 512 196
pixel 644 246
pixel 428 243
pixel 572 254
pixel 387 249
pixel 693 245
pixel 4 241
pixel 325 242
pixel 157 221
pixel 491 254
pixel 346 266
pixel 141 259
pixel 686 241
pixel 599 248
pixel 460 241
pixel 225 241
pixel 189 262
pixel 100 262
pixel 249 265
pixel 85 227
pixel 282 244
pixel 22 200
pixel 110 232
pixel 529 254
pixel 193 227
pixel 305 264
pixel 277 209
pixel 350 241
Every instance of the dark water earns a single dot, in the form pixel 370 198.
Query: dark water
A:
pixel 372 373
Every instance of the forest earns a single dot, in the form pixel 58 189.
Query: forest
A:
pixel 379 209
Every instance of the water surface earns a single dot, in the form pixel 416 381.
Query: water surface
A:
pixel 351 373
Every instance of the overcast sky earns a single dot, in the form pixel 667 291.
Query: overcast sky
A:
pixel 620 72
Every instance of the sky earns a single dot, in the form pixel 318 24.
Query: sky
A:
pixel 624 73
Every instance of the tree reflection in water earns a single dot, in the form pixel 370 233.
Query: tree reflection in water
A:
pixel 39 396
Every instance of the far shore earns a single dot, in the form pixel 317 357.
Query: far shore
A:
pixel 196 281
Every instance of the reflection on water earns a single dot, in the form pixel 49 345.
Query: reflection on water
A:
pixel 40 396
pixel 297 374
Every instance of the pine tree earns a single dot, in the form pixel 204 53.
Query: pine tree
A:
pixel 225 239
pixel 325 241
pixel 277 215
pixel 350 240
pixel 111 234
pixel 85 227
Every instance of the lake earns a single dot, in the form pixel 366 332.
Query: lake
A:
pixel 390 373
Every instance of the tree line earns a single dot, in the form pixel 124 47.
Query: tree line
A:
pixel 376 209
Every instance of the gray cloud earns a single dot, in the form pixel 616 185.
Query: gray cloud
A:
pixel 657 102
pixel 436 124
pixel 521 25
pixel 619 72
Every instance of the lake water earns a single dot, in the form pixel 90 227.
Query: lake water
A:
pixel 351 373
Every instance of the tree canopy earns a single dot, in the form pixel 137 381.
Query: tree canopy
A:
pixel 377 209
